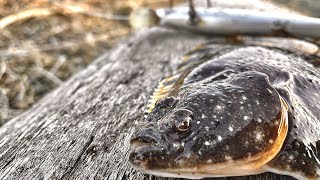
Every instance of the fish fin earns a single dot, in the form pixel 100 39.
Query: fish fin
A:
pixel 170 85
pixel 162 90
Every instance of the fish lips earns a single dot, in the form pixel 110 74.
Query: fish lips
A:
pixel 149 145
pixel 148 137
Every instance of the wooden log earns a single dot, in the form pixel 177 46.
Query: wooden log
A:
pixel 82 129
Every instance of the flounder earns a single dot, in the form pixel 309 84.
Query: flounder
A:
pixel 235 110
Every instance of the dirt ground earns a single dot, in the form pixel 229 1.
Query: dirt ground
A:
pixel 43 42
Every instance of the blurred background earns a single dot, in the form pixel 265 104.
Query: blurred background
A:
pixel 44 42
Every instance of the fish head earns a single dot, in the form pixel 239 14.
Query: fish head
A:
pixel 227 128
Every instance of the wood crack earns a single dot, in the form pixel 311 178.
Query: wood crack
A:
pixel 8 162
pixel 80 156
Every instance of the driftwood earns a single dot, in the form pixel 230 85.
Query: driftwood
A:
pixel 82 129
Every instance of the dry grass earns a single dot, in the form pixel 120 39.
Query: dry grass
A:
pixel 43 42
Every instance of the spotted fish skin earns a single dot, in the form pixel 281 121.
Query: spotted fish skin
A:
pixel 224 111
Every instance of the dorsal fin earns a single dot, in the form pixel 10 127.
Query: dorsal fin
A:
pixel 170 85
pixel 162 91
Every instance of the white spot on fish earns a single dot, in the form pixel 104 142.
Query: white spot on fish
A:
pixel 230 129
pixel 209 161
pixel 203 116
pixel 244 98
pixel 257 102
pixel 259 120
pixel 259 136
pixel 219 138
pixel 198 122
pixel 207 128
pixel 270 141
pixel 175 145
pixel 241 107
pixel 245 117
pixel 290 157
pixel 207 143
pixel 218 109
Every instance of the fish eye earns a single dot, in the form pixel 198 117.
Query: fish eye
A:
pixel 183 124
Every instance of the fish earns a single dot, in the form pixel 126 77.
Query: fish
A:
pixel 236 109
pixel 217 21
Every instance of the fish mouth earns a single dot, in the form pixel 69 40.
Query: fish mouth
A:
pixel 142 141
pixel 144 145
pixel 148 137
pixel 135 144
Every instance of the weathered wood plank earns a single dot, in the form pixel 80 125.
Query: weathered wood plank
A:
pixel 82 129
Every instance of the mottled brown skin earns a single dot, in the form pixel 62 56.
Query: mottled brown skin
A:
pixel 228 108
